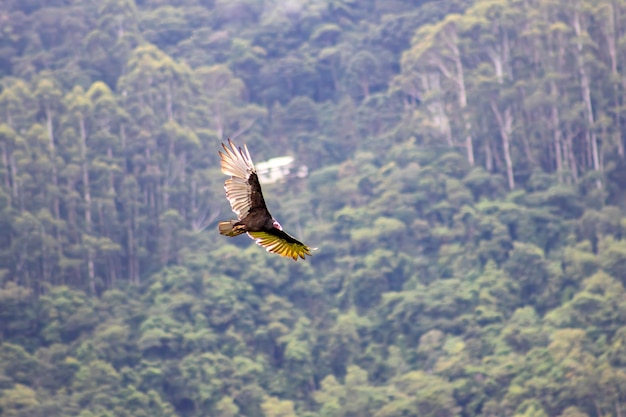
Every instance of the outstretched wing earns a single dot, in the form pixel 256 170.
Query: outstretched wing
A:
pixel 243 190
pixel 279 242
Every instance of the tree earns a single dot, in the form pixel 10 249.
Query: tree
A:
pixel 48 95
pixel 274 407
pixel 437 47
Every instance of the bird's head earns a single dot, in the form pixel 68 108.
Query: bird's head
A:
pixel 277 225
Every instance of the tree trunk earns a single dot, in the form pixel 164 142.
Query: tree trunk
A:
pixel 431 84
pixel 7 171
pixel 557 143
pixel 55 180
pixel 555 121
pixel 71 206
pixel 569 144
pixel 488 158
pixel 112 272
pixel 129 204
pixel 469 142
pixel 505 123
pixel 333 73
pixel 168 98
pixel 87 195
pixel 44 263
pixel 16 183
pixel 586 96
pixel 457 76
pixel 610 32
pixel 111 177
pixel 527 121
pixel 124 150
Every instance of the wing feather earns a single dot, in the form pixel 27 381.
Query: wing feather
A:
pixel 281 243
pixel 243 192
pixel 237 163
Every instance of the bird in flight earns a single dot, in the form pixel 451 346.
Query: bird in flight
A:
pixel 243 192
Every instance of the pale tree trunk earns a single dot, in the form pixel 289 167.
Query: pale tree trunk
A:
pixel 333 72
pixel 569 152
pixel 87 195
pixel 488 157
pixel 611 33
pixel 505 123
pixel 194 192
pixel 133 263
pixel 7 170
pixel 55 180
pixel 217 117
pixel 153 192
pixel 45 264
pixel 71 205
pixel 112 258
pixel 557 142
pixel 469 142
pixel 165 243
pixel 457 77
pixel 431 84
pixel 560 146
pixel 560 152
pixel 111 177
pixel 16 182
pixel 528 120
pixel 169 105
pixel 499 57
pixel 586 96
pixel 182 161
pixel 124 146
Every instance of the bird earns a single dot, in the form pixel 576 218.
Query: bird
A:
pixel 244 194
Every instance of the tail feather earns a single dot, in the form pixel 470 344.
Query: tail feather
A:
pixel 228 228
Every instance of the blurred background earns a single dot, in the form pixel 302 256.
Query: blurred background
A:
pixel 458 163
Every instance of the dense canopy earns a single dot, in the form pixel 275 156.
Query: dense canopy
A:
pixel 465 173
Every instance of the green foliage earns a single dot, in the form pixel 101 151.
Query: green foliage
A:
pixel 462 173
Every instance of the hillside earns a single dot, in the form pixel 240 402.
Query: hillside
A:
pixel 465 188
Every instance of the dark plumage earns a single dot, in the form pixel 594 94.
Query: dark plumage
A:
pixel 243 191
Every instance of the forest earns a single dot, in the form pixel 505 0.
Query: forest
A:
pixel 465 190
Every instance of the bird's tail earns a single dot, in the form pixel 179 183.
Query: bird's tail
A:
pixel 228 228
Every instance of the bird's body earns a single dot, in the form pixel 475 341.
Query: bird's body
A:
pixel 243 191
